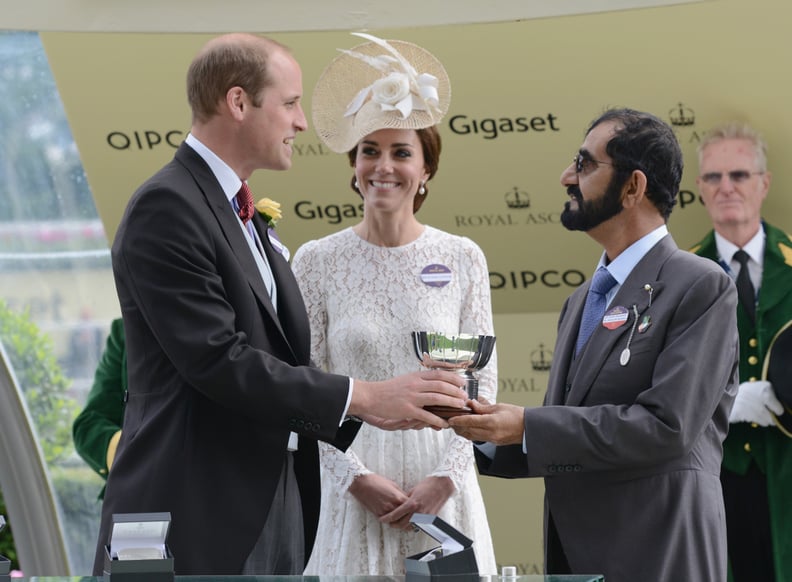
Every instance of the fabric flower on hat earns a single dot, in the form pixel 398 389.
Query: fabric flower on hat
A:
pixel 403 89
pixel 375 85
pixel 270 210
pixel 391 90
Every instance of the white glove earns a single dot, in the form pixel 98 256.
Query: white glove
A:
pixel 754 403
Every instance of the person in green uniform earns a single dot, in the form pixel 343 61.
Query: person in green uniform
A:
pixel 97 429
pixel 757 464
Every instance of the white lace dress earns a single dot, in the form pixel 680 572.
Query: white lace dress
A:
pixel 364 301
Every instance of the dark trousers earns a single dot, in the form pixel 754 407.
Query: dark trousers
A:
pixel 748 525
pixel 281 547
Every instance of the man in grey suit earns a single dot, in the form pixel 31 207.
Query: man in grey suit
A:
pixel 629 440
pixel 223 408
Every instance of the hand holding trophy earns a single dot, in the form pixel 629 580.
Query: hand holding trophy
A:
pixel 463 353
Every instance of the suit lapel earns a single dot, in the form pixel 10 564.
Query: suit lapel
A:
pixel 777 261
pixel 229 225
pixel 565 345
pixel 634 295
pixel 291 309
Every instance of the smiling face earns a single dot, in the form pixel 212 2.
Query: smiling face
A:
pixel 733 184
pixel 270 127
pixel 389 169
pixel 594 197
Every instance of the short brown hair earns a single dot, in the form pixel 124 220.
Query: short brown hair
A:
pixel 234 60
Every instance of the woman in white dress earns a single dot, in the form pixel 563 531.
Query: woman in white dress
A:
pixel 366 289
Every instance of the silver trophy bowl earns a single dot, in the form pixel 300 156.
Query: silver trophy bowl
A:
pixel 461 353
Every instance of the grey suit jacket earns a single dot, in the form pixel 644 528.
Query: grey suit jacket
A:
pixel 631 453
pixel 217 378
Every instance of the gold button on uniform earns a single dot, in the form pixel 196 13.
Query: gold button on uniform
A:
pixel 752 342
pixel 747 447
pixel 753 360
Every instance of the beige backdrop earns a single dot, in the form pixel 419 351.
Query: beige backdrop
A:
pixel 523 92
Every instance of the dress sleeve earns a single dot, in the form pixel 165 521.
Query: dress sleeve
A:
pixel 475 317
pixel 342 467
pixel 308 267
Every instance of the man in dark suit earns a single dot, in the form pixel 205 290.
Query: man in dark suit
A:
pixel 223 408
pixel 629 440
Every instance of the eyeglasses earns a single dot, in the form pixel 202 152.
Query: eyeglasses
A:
pixel 583 163
pixel 736 176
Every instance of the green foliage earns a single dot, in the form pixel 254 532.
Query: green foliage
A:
pixel 42 381
pixel 31 356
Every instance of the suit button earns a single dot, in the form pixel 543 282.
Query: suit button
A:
pixel 747 447
pixel 551 468
pixel 316 427
pixel 569 468
pixel 578 468
pixel 753 360
pixel 291 423
pixel 308 426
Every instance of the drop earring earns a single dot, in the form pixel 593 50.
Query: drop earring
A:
pixel 357 186
pixel 422 190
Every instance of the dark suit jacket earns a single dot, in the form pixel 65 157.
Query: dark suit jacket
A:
pixel 631 453
pixel 217 378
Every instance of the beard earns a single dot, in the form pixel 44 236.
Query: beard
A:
pixel 591 213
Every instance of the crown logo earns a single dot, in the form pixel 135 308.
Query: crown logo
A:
pixel 682 116
pixel 516 198
pixel 541 359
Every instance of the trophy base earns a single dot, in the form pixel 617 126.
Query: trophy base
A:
pixel 448 411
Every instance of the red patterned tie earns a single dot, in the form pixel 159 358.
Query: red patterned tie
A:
pixel 245 202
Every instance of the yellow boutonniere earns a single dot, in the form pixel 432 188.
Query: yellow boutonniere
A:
pixel 270 210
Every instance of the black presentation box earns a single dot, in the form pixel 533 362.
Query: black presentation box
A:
pixel 5 563
pixel 5 568
pixel 137 550
pixel 453 559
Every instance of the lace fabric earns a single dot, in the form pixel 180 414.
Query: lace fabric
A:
pixel 363 302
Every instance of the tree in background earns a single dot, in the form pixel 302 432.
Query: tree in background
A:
pixel 45 387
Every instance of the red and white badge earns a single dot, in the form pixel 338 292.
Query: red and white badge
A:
pixel 615 317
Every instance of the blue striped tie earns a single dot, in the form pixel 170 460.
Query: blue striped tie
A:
pixel 594 309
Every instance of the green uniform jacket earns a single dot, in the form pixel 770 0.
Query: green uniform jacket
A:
pixel 768 446
pixel 104 410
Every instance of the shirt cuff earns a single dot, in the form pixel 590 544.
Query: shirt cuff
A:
pixel 344 416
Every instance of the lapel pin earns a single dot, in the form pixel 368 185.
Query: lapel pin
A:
pixel 648 288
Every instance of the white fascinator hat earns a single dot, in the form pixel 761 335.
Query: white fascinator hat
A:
pixel 376 85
